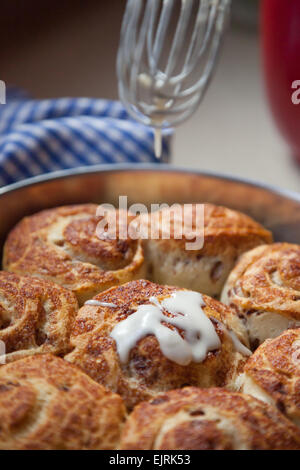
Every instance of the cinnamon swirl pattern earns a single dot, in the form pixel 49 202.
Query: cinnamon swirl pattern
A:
pixel 227 234
pixel 148 371
pixel 264 289
pixel 208 419
pixel 46 403
pixel 272 374
pixel 62 245
pixel 36 316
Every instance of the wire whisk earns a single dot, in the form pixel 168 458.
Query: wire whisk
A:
pixel 167 52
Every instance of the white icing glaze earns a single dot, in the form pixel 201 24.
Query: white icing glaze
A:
pixel 97 303
pixel 238 345
pixel 157 142
pixel 200 336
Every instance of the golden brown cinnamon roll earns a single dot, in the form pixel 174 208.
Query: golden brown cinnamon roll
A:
pixel 211 419
pixel 264 289
pixel 272 374
pixel 36 316
pixel 227 234
pixel 62 245
pixel 46 403
pixel 142 338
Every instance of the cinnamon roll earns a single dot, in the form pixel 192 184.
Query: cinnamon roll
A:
pixel 272 374
pixel 36 316
pixel 62 245
pixel 211 419
pixel 46 404
pixel 226 234
pixel 141 338
pixel 264 289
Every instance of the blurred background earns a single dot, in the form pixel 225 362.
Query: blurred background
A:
pixel 59 48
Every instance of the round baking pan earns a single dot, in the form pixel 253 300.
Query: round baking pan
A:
pixel 278 210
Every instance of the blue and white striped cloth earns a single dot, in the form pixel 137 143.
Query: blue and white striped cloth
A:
pixel 40 136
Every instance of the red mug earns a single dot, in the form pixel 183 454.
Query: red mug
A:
pixel 280 27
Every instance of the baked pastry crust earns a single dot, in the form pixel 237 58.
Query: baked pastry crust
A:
pixel 207 419
pixel 62 245
pixel 227 234
pixel 46 403
pixel 264 289
pixel 36 316
pixel 148 371
pixel 272 374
